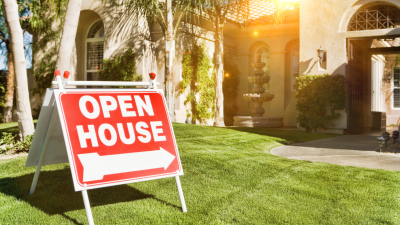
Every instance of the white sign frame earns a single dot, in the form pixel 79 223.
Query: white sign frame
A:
pixel 40 144
pixel 58 93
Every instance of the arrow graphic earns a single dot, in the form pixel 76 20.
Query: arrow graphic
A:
pixel 95 166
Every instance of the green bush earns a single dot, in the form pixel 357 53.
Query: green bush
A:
pixel 9 143
pixel 199 79
pixel 121 68
pixel 7 138
pixel 317 99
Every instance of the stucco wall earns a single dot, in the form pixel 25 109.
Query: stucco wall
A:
pixel 323 24
pixel 277 40
pixel 125 31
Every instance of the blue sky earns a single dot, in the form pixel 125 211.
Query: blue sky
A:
pixel 28 53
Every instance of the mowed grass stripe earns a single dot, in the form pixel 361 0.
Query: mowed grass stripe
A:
pixel 229 178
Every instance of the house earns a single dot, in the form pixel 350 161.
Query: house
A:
pixel 355 38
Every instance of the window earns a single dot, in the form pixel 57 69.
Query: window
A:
pixel 262 55
pixel 294 65
pixel 396 88
pixel 377 15
pixel 94 51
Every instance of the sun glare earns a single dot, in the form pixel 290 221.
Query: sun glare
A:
pixel 289 1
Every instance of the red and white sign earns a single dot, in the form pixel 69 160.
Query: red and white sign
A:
pixel 117 136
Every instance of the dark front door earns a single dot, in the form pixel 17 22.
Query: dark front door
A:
pixel 355 72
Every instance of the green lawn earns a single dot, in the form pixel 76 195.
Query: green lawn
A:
pixel 230 178
pixel 11 127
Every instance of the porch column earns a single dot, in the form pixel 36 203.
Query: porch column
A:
pixel 277 84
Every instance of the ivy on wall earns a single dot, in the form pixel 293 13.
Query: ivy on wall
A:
pixel 317 99
pixel 45 14
pixel 198 80
pixel 230 89
pixel 120 68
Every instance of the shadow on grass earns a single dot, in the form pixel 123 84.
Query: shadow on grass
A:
pixel 285 136
pixel 316 140
pixel 55 193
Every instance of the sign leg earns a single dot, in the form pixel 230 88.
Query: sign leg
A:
pixel 87 207
pixel 178 185
pixel 43 152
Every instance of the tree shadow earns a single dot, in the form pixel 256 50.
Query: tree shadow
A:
pixel 55 193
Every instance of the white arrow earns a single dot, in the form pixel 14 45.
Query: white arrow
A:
pixel 95 166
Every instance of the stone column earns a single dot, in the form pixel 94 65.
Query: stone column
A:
pixel 277 83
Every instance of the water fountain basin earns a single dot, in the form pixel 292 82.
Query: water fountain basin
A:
pixel 264 97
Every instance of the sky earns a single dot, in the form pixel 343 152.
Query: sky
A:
pixel 28 53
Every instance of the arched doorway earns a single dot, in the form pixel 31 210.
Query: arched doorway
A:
pixel 360 69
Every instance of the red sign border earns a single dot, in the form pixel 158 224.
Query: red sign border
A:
pixel 59 93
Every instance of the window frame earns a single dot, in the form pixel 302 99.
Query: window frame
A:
pixel 393 88
pixel 87 40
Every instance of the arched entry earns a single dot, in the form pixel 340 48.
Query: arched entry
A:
pixel 375 15
pixel 372 16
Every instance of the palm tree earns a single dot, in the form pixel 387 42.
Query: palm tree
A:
pixel 9 97
pixel 68 35
pixel 164 12
pixel 11 16
pixel 4 39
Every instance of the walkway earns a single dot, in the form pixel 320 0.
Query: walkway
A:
pixel 348 150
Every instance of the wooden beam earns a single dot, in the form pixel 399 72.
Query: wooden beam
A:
pixel 390 50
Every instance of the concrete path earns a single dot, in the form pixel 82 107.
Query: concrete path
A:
pixel 348 150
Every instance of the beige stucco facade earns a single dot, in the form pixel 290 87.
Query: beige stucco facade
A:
pixel 322 25
pixel 122 32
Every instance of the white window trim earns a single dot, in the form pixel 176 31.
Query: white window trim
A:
pixel 392 90
pixel 86 42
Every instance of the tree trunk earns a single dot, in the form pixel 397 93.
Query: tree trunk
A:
pixel 25 121
pixel 169 61
pixel 219 76
pixel 7 113
pixel 68 35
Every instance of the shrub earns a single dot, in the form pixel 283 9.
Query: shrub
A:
pixel 198 77
pixel 317 99
pixel 8 143
pixel 121 68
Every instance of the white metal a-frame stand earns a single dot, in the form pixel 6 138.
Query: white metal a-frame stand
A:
pixel 44 146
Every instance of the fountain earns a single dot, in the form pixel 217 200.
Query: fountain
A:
pixel 258 97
